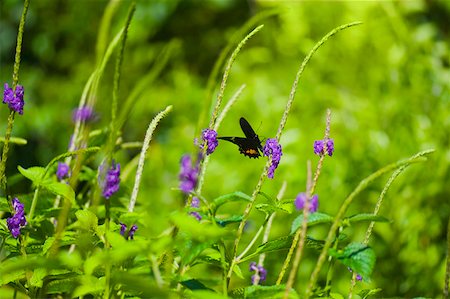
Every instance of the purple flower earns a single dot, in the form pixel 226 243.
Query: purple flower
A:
pixel 63 171
pixel 123 228
pixel 195 204
pixel 300 202
pixel 131 232
pixel 188 174
pixel 17 221
pixel 110 183
pixel 14 98
pixel 83 114
pixel 133 229
pixel 210 136
pixel 319 147
pixel 273 150
pixel 261 272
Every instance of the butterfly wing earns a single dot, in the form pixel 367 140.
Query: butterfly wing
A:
pixel 250 133
pixel 248 147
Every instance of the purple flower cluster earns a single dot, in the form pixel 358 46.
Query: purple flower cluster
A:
pixel 14 98
pixel 17 221
pixel 111 182
pixel 273 150
pixel 300 202
pixel 63 171
pixel 188 174
pixel 260 271
pixel 83 114
pixel 131 232
pixel 196 204
pixel 210 136
pixel 325 146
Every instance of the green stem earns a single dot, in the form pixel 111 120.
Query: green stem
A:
pixel 19 43
pixel 3 181
pixel 33 203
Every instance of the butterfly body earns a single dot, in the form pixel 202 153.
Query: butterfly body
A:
pixel 250 145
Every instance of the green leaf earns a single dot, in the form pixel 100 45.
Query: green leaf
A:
pixel 34 174
pixel 86 220
pixel 260 291
pixel 364 294
pixel 229 220
pixel 313 219
pixel 36 279
pixel 282 243
pixel 366 217
pixel 237 270
pixel 235 196
pixel 60 189
pixel 194 284
pixel 358 257
pixel 206 294
pixel 15 140
pixel 270 208
pixel 63 284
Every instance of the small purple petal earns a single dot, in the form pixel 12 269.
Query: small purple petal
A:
pixel 18 220
pixel 210 136
pixel 63 171
pixel 111 183
pixel 132 231
pixel 14 99
pixel 330 147
pixel 300 201
pixel 318 147
pixel 273 150
pixel 123 228
pixel 188 175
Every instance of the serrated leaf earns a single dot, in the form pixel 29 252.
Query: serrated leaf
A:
pixel 231 197
pixel 270 208
pixel 366 217
pixel 63 285
pixel 60 189
pixel 36 279
pixel 313 219
pixel 358 257
pixel 34 174
pixel 364 294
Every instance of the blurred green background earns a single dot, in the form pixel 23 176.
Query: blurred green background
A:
pixel 386 82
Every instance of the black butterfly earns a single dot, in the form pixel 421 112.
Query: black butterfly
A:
pixel 249 146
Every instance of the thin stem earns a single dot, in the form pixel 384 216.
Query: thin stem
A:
pixel 3 181
pixel 255 237
pixel 19 43
pixel 148 137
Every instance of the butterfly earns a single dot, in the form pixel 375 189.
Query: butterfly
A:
pixel 249 146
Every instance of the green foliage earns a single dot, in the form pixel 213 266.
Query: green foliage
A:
pixel 385 81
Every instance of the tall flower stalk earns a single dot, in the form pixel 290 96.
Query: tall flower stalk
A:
pixel 3 184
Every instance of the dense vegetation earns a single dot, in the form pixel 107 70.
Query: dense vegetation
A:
pixel 385 81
